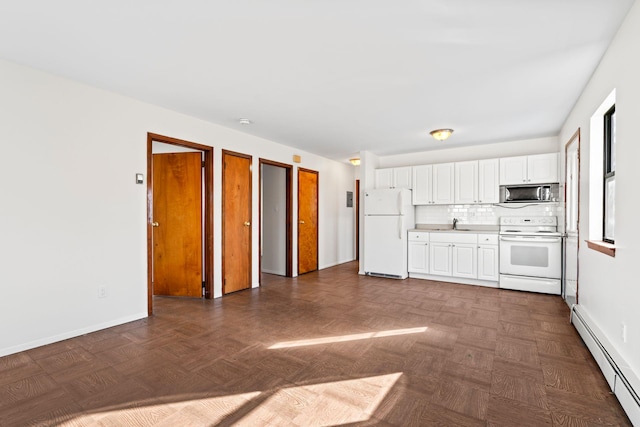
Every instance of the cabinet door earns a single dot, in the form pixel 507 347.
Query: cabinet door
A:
pixel 443 176
pixel 402 177
pixel 513 170
pixel 488 262
pixel 422 184
pixel 419 257
pixel 488 181
pixel 384 178
pixel 464 257
pixel 466 182
pixel 542 168
pixel 440 259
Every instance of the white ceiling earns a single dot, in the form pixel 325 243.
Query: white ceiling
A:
pixel 333 77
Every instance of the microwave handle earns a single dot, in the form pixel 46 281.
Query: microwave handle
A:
pixel 539 193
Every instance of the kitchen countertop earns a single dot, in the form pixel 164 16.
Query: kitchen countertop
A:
pixel 460 228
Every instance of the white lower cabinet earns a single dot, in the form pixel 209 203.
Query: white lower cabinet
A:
pixel 461 256
pixel 464 258
pixel 440 259
pixel 453 254
pixel 418 252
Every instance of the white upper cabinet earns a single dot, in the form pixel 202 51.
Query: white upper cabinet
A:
pixel 394 177
pixel 537 169
pixel 443 178
pixel 466 182
pixel 402 177
pixel 542 168
pixel 384 178
pixel 422 193
pixel 489 181
pixel 476 181
pixel 433 184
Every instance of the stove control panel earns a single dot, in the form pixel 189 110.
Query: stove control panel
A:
pixel 529 221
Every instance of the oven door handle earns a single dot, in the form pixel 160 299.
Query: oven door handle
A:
pixel 531 239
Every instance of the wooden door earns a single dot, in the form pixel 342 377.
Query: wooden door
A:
pixel 236 222
pixel 177 224
pixel 307 220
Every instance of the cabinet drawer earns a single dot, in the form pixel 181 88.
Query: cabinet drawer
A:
pixel 487 239
pixel 418 236
pixel 455 237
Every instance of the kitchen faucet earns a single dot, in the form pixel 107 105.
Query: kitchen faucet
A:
pixel 455 222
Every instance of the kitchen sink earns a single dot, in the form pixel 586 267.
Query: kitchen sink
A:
pixel 448 229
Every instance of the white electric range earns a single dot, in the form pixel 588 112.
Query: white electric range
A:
pixel 531 254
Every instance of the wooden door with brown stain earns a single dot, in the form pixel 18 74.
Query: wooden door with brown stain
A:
pixel 177 224
pixel 307 220
pixel 236 222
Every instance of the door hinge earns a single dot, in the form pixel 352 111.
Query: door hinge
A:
pixel 204 288
pixel 203 163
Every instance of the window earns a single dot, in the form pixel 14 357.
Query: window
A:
pixel 609 193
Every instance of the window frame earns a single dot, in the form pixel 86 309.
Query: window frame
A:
pixel 609 172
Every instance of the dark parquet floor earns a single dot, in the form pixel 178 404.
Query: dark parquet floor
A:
pixel 327 348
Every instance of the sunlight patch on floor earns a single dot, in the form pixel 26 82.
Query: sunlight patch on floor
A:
pixel 324 404
pixel 345 338
pixel 202 411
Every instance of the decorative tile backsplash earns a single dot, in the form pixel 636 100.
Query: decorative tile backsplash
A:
pixel 484 214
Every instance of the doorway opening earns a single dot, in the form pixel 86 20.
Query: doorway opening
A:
pixel 571 218
pixel 275 218
pixel 206 249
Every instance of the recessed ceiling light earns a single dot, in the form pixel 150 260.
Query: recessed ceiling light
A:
pixel 244 121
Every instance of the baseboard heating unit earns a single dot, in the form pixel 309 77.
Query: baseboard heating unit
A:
pixel 624 383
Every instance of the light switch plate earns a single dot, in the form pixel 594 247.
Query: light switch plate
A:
pixel 139 178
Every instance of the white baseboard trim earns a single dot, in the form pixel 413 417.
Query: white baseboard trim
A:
pixel 71 334
pixel 277 273
pixel 624 383
pixel 333 264
pixel 459 280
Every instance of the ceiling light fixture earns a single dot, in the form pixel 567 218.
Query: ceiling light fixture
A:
pixel 355 161
pixel 441 134
pixel 244 121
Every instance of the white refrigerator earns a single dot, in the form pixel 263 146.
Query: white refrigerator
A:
pixel 388 215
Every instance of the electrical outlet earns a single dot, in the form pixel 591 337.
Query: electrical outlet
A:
pixel 623 330
pixel 102 292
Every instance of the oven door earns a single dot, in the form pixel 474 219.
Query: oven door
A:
pixel 534 256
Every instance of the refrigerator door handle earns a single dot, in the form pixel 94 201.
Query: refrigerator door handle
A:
pixel 400 227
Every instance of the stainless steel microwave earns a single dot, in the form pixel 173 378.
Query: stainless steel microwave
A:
pixel 535 193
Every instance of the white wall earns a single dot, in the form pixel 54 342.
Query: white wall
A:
pixel 609 288
pixel 274 220
pixel 73 218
